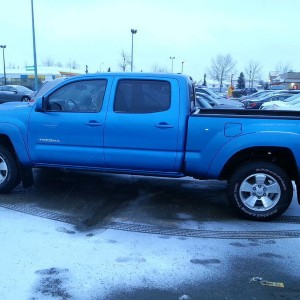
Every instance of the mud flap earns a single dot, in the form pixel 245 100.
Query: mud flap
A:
pixel 297 182
pixel 27 177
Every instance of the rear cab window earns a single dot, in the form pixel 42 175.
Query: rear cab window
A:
pixel 134 96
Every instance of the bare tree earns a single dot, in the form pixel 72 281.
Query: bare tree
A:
pixel 125 61
pixel 158 69
pixel 73 65
pixel 48 62
pixel 283 67
pixel 253 72
pixel 221 68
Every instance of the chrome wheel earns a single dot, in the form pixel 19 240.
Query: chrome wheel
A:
pixel 3 170
pixel 260 192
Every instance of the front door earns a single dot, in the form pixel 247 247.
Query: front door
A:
pixel 70 130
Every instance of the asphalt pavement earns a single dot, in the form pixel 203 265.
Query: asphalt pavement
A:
pixel 148 238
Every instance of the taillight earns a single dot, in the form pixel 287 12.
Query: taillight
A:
pixel 252 104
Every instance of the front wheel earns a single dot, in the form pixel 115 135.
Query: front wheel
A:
pixel 9 173
pixel 260 191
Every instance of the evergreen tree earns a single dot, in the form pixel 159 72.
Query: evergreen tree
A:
pixel 204 80
pixel 241 84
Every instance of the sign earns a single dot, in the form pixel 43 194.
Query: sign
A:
pixel 30 68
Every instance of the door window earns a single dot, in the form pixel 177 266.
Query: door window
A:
pixel 142 96
pixel 79 96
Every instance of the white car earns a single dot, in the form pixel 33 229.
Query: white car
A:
pixel 276 105
pixel 293 107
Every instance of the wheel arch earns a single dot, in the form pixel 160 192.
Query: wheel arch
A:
pixel 281 156
pixel 6 143
pixel 24 171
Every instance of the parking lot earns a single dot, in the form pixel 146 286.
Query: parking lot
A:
pixel 91 236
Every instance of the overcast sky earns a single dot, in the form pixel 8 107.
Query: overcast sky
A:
pixel 94 33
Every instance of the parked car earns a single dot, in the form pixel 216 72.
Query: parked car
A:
pixel 290 107
pixel 272 105
pixel 220 103
pixel 11 93
pixel 205 90
pixel 255 95
pixel 202 103
pixel 47 86
pixel 256 103
pixel 237 93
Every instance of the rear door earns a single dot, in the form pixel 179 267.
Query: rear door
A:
pixel 142 125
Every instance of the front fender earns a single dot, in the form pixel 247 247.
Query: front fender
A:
pixel 12 132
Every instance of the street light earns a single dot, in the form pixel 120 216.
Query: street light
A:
pixel 182 67
pixel 101 67
pixel 172 58
pixel 34 49
pixel 133 31
pixel 250 78
pixel 4 73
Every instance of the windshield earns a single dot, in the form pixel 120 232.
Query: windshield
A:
pixel 292 98
pixel 23 89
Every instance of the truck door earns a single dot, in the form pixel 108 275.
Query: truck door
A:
pixel 142 126
pixel 69 130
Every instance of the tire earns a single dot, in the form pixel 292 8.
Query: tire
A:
pixel 25 99
pixel 9 173
pixel 260 191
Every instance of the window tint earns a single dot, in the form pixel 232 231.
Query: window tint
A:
pixel 79 96
pixel 192 96
pixel 142 96
pixel 8 88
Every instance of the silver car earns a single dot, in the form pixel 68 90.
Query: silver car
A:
pixel 10 93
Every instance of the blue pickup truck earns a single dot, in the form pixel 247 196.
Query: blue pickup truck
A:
pixel 148 124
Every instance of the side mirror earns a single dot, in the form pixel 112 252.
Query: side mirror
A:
pixel 40 106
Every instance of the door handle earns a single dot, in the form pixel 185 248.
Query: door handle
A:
pixel 164 125
pixel 93 123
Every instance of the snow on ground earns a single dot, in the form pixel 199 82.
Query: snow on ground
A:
pixel 42 259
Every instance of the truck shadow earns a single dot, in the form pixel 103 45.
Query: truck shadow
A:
pixel 94 197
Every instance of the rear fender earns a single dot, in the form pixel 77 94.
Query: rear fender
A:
pixel 262 139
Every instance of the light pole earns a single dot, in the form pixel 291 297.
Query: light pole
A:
pixel 101 67
pixel 249 79
pixel 182 67
pixel 172 58
pixel 34 49
pixel 4 73
pixel 133 31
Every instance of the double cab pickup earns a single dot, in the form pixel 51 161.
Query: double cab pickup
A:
pixel 149 124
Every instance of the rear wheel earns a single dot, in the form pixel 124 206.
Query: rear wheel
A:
pixel 26 99
pixel 9 173
pixel 260 191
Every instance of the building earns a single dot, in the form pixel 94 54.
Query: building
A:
pixel 289 80
pixel 25 76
